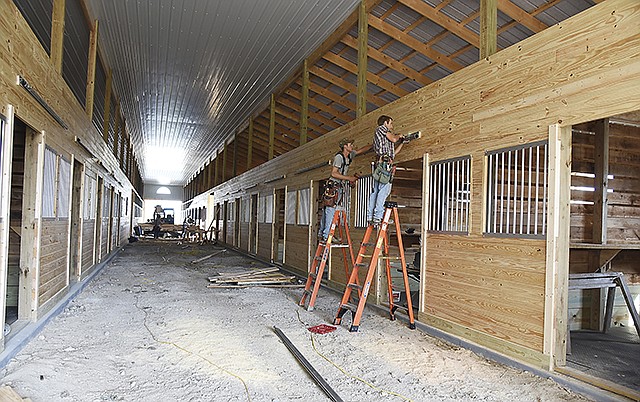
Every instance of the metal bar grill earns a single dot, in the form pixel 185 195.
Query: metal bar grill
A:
pixel 517 190
pixel 449 191
pixel 364 187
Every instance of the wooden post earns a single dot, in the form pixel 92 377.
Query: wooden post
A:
pixel 116 131
pixel 304 104
pixel 272 125
pixel 224 162
pixel 234 170
pixel 215 173
pixel 91 70
pixel 557 260
pixel 57 34
pixel 107 109
pixel 31 228
pixel 488 27
pixel 361 96
pixel 601 181
pixel 250 145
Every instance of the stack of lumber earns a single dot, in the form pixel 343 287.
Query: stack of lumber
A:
pixel 267 278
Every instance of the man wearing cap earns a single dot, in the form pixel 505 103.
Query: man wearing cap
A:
pixel 341 162
pixel 384 144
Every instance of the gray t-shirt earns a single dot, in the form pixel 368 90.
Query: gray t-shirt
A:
pixel 342 163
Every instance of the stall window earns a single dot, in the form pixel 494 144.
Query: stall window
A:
pixel 449 195
pixel 292 200
pixel 303 206
pixel 516 195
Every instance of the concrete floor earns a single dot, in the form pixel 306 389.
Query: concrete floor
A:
pixel 614 356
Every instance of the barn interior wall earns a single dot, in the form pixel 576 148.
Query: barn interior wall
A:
pixel 489 290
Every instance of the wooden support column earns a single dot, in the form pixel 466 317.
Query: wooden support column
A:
pixel 250 145
pixel 116 131
pixel 57 34
pixel 557 261
pixel 91 70
pixel 216 170
pixel 363 31
pixel 488 27
pixel 304 104
pixel 123 137
pixel 601 181
pixel 224 162
pixel 107 109
pixel 234 169
pixel 272 125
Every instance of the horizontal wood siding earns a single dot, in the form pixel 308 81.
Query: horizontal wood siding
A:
pixel 53 258
pixel 297 248
pixel 466 283
pixel 88 228
pixel 105 238
pixel 264 241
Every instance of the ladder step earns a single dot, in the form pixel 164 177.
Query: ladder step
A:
pixel 349 306
pixel 354 286
pixel 339 246
pixel 313 275
pixel 361 264
pixel 368 244
pixel 382 257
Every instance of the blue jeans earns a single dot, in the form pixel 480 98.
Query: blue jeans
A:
pixel 327 216
pixel 325 223
pixel 377 199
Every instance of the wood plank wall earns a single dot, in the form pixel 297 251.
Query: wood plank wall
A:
pixel 24 55
pixel 489 290
pixel 88 228
pixel 53 258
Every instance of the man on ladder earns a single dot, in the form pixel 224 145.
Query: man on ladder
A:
pixel 379 213
pixel 334 219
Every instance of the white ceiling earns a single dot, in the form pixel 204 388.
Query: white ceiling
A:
pixel 188 73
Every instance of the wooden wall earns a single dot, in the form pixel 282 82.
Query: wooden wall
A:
pixel 493 291
pixel 23 55
pixel 88 240
pixel 53 258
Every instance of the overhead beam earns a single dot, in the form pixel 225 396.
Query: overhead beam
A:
pixel 335 80
pixel 389 61
pixel 414 43
pixel 446 22
pixel 372 78
pixel 520 15
pixel 322 106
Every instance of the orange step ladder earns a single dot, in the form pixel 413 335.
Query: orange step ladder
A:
pixel 339 223
pixel 381 246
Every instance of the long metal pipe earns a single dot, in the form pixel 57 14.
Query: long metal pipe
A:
pixel 308 367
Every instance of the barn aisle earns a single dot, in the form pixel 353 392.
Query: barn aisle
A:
pixel 148 329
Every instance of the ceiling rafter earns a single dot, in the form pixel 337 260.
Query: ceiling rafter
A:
pixel 389 62
pixel 330 77
pixel 414 43
pixel 445 22
pixel 372 78
pixel 325 92
pixel 321 106
pixel 521 16
pixel 313 115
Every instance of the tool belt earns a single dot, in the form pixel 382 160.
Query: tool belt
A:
pixel 384 170
pixel 331 194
